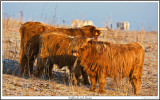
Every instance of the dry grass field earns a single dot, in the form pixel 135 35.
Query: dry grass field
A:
pixel 14 84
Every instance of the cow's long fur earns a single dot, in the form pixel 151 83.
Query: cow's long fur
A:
pixel 104 59
pixel 29 33
pixel 87 31
pixel 29 46
pixel 57 49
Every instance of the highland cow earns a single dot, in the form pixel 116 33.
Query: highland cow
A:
pixel 56 48
pixel 29 45
pixel 29 33
pixel 104 59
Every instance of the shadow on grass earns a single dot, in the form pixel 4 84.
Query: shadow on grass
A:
pixel 11 67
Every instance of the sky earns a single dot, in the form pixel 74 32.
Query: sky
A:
pixel 140 15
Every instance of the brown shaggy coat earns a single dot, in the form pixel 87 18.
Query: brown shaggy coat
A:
pixel 57 49
pixel 29 45
pixel 87 31
pixel 104 59
pixel 29 33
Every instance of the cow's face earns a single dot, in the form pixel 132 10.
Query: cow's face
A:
pixel 97 32
pixel 82 51
pixel 92 30
pixel 78 42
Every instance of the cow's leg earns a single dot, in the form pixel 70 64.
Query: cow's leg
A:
pixel 30 59
pixel 47 71
pixel 40 66
pixel 102 83
pixel 31 51
pixel 39 70
pixel 136 83
pixel 21 58
pixel 136 79
pixel 37 73
pixel 50 71
pixel 31 64
pixel 48 68
pixel 85 76
pixel 93 83
pixel 77 73
pixel 23 62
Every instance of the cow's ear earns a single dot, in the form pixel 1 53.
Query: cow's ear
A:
pixel 93 29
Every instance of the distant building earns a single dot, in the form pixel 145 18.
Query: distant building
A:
pixel 123 25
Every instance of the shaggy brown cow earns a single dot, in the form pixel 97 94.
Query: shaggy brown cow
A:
pixel 57 49
pixel 104 59
pixel 30 32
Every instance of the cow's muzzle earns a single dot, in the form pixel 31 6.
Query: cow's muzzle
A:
pixel 74 52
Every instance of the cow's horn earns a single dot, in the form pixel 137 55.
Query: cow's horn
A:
pixel 88 39
pixel 102 29
pixel 71 36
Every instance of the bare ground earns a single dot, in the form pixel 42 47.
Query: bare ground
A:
pixel 14 84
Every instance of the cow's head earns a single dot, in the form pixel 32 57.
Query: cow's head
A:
pixel 80 45
pixel 92 31
pixel 90 47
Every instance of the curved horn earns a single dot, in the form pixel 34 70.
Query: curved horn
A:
pixel 70 36
pixel 88 39
pixel 102 29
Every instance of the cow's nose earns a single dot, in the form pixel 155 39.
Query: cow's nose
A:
pixel 74 52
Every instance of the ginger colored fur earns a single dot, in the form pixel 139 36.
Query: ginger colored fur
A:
pixel 104 59
pixel 56 48
pixel 87 31
pixel 29 33
pixel 29 45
